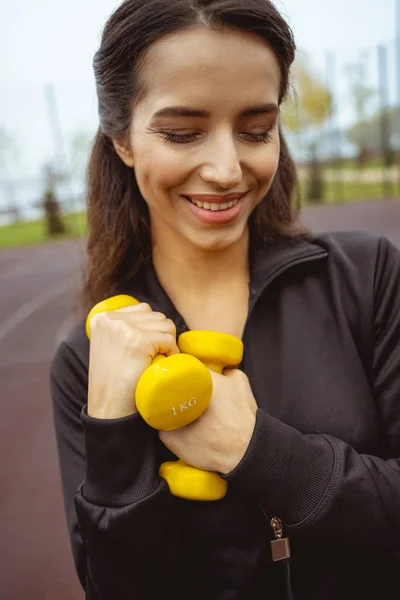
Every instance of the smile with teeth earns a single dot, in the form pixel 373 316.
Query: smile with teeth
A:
pixel 213 205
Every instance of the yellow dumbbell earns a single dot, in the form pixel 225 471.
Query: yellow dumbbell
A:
pixel 174 390
pixel 216 351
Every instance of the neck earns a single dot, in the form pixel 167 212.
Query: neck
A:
pixel 185 269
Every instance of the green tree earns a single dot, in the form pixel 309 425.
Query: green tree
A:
pixel 304 113
pixel 366 132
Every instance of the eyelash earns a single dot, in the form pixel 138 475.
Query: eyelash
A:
pixel 178 138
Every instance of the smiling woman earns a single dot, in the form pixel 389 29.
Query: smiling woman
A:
pixel 194 227
pixel 198 140
pixel 202 105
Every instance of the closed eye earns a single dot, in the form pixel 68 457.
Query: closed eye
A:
pixel 264 137
pixel 187 138
pixel 180 138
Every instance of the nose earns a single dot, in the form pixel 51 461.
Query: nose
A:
pixel 222 165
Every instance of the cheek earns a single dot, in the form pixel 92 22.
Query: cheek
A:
pixel 265 169
pixel 158 167
pixel 266 165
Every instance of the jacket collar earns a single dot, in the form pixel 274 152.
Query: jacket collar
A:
pixel 268 260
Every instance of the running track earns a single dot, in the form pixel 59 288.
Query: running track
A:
pixel 37 290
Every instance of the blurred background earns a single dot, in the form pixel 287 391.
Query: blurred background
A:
pixel 342 121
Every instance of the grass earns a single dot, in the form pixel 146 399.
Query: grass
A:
pixel 27 233
pixel 373 163
pixel 338 193
pixel 350 164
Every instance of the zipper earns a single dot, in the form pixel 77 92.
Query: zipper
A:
pixel 280 547
pixel 280 550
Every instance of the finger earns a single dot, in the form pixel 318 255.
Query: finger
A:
pixel 148 321
pixel 137 319
pixel 137 315
pixel 172 439
pixel 161 343
pixel 141 307
pixel 163 326
pixel 230 371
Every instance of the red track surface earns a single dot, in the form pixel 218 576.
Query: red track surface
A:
pixel 37 290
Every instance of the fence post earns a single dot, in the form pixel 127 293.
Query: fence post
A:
pixel 387 183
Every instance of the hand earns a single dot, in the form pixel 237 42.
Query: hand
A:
pixel 218 440
pixel 123 344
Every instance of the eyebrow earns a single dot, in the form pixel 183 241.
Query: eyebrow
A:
pixel 185 111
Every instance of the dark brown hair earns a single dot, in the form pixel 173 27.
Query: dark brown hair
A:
pixel 118 218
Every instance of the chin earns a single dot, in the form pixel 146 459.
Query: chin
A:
pixel 216 241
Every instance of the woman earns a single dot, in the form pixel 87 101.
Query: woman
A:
pixel 192 210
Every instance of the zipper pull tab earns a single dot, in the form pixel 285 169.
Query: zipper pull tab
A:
pixel 280 546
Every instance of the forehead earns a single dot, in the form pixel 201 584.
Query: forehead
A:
pixel 213 69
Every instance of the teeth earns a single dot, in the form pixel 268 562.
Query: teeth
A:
pixel 213 206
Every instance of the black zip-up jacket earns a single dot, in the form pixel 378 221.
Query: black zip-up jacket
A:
pixel 322 353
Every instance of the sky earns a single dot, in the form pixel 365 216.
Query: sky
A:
pixel 43 41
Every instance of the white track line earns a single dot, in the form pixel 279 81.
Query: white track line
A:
pixel 31 307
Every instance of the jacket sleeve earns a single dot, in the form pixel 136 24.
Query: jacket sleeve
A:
pixel 317 484
pixel 120 514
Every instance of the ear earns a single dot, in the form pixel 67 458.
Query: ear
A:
pixel 125 153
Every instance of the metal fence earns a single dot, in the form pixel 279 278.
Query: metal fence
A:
pixel 354 151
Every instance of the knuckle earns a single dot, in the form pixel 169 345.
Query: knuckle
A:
pixel 100 320
pixel 239 376
pixel 171 326
pixel 135 337
pixel 118 328
pixel 145 306
pixel 104 323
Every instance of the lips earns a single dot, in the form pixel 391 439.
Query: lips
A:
pixel 213 209
pixel 214 203
pixel 213 198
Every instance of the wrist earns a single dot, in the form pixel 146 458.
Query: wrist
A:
pixel 242 441
pixel 110 404
pixel 101 407
pixel 109 412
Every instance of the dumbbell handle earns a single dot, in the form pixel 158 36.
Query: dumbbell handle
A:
pixel 214 367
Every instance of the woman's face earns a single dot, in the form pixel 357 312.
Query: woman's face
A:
pixel 204 139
